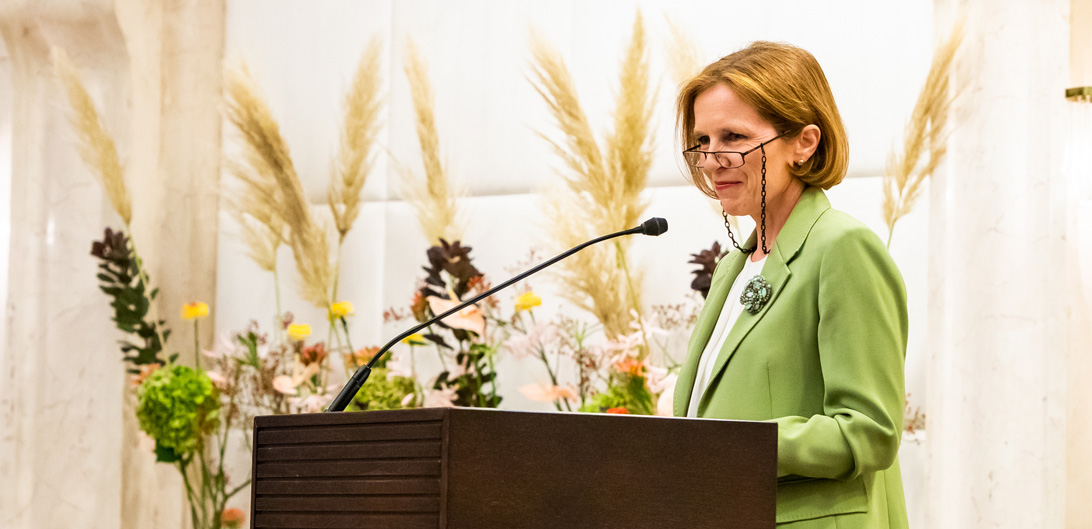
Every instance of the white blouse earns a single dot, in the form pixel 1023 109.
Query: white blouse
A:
pixel 729 313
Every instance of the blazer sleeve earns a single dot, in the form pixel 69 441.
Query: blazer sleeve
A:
pixel 862 334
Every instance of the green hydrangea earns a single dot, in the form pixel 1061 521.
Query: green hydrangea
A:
pixel 177 407
pixel 382 394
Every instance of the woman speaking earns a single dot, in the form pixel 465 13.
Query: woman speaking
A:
pixel 805 323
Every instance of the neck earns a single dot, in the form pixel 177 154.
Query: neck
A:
pixel 777 214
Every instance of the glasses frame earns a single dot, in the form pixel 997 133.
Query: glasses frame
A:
pixel 742 154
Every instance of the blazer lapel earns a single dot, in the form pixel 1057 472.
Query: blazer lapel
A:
pixel 813 203
pixel 714 302
pixel 777 274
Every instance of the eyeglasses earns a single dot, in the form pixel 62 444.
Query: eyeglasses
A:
pixel 726 159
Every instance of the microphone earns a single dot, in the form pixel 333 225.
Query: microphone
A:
pixel 654 227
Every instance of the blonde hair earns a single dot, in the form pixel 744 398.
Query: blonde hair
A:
pixel 786 86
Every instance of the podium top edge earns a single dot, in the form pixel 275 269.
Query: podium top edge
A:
pixel 436 414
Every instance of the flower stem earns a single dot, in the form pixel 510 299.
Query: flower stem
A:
pixel 144 281
pixel 189 492
pixel 277 293
pixel 196 346
pixel 633 297
pixel 348 341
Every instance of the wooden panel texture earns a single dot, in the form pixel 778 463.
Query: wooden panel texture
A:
pixel 487 469
pixel 348 471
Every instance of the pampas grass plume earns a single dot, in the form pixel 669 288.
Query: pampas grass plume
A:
pixel 267 157
pixel 926 136
pixel 96 146
pixel 602 192
pixel 358 135
pixel 433 197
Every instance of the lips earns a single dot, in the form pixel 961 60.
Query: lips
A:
pixel 728 184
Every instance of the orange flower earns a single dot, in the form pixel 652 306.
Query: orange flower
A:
pixel 145 370
pixel 232 518
pixel 360 357
pixel 619 411
pixel 631 366
pixel 419 307
pixel 314 354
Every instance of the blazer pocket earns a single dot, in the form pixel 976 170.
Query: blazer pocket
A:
pixel 804 500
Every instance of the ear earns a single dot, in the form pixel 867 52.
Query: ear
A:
pixel 805 144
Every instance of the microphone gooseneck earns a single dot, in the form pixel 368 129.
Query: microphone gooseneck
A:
pixel 654 227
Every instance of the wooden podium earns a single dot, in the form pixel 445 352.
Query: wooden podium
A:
pixel 462 468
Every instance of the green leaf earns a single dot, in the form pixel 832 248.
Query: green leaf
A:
pixel 164 454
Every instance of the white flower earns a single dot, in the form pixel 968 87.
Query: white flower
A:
pixel 539 336
pixel 657 378
pixel 664 406
pixel 440 398
pixel 312 403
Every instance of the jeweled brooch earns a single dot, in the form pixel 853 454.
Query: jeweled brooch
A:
pixel 755 294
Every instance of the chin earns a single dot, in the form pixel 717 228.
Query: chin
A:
pixel 734 208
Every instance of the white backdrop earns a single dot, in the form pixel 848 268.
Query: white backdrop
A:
pixel 303 54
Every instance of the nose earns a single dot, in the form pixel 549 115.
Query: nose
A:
pixel 710 162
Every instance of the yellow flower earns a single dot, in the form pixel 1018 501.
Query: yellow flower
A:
pixel 527 300
pixel 414 339
pixel 194 310
pixel 299 331
pixel 341 309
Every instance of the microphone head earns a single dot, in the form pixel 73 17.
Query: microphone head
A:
pixel 654 226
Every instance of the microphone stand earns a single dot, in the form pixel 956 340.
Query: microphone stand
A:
pixel 654 226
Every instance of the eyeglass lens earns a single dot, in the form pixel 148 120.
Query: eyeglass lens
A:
pixel 725 159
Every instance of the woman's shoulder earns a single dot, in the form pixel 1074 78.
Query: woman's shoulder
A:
pixel 838 238
pixel 835 226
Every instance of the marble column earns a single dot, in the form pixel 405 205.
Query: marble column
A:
pixel 1078 169
pixel 997 308
pixel 70 451
pixel 60 389
pixel 175 48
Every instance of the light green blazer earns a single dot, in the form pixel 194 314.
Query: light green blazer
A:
pixel 824 359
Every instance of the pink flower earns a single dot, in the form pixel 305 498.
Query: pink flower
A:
pixel 216 378
pixel 284 385
pixel 468 319
pixel 539 393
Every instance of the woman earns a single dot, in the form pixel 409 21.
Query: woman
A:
pixel 805 324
